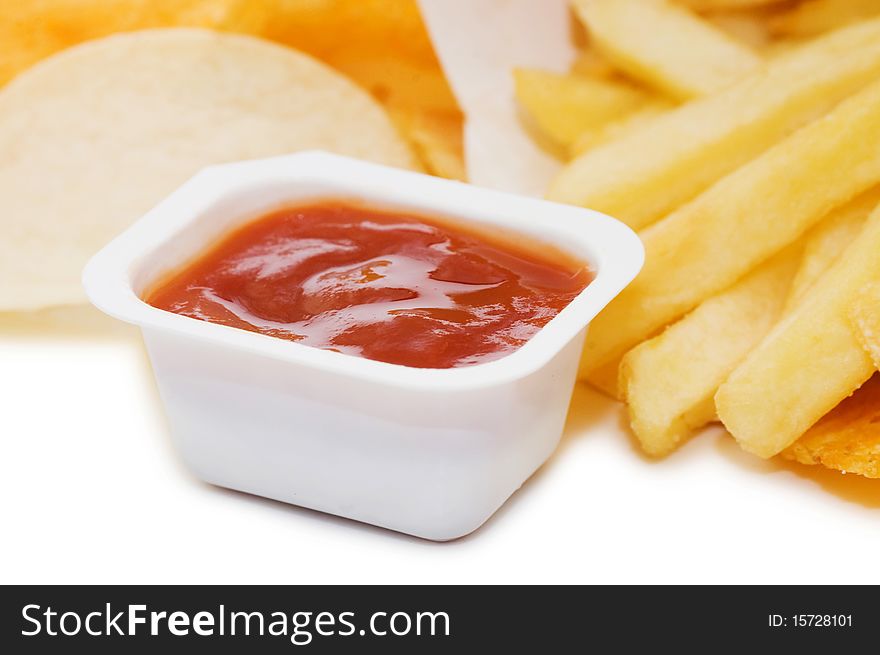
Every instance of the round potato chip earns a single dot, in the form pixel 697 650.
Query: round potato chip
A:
pixel 93 137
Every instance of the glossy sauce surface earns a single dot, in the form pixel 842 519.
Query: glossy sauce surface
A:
pixel 391 287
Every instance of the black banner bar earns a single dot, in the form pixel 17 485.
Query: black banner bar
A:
pixel 434 619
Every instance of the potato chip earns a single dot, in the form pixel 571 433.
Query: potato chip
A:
pixel 865 316
pixel 31 30
pixel 380 44
pixel 848 437
pixel 95 136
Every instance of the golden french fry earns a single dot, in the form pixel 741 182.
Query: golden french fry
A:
pixel 619 128
pixel 824 242
pixel 848 437
pixel 809 363
pixel 436 138
pixel 817 16
pixel 780 47
pixel 665 46
pixel 655 169
pixel 590 63
pixel 605 379
pixel 564 106
pixel 865 316
pixel 746 26
pixel 708 244
pixel 669 382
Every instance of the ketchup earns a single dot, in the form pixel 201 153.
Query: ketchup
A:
pixel 393 287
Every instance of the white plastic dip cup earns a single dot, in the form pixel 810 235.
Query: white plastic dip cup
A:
pixel 429 452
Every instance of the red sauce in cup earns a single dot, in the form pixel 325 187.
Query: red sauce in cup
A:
pixel 392 287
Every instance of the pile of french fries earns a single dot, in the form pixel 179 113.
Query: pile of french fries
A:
pixel 741 138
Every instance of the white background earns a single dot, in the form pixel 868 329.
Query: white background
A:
pixel 92 491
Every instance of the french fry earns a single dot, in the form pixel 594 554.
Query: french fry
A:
pixel 669 382
pixel 779 47
pixel 655 169
pixel 848 437
pixel 809 363
pixel 619 128
pixel 708 244
pixel 865 316
pixel 436 138
pixel 590 63
pixel 665 46
pixel 825 241
pixel 564 106
pixel 747 27
pixel 605 379
pixel 817 16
